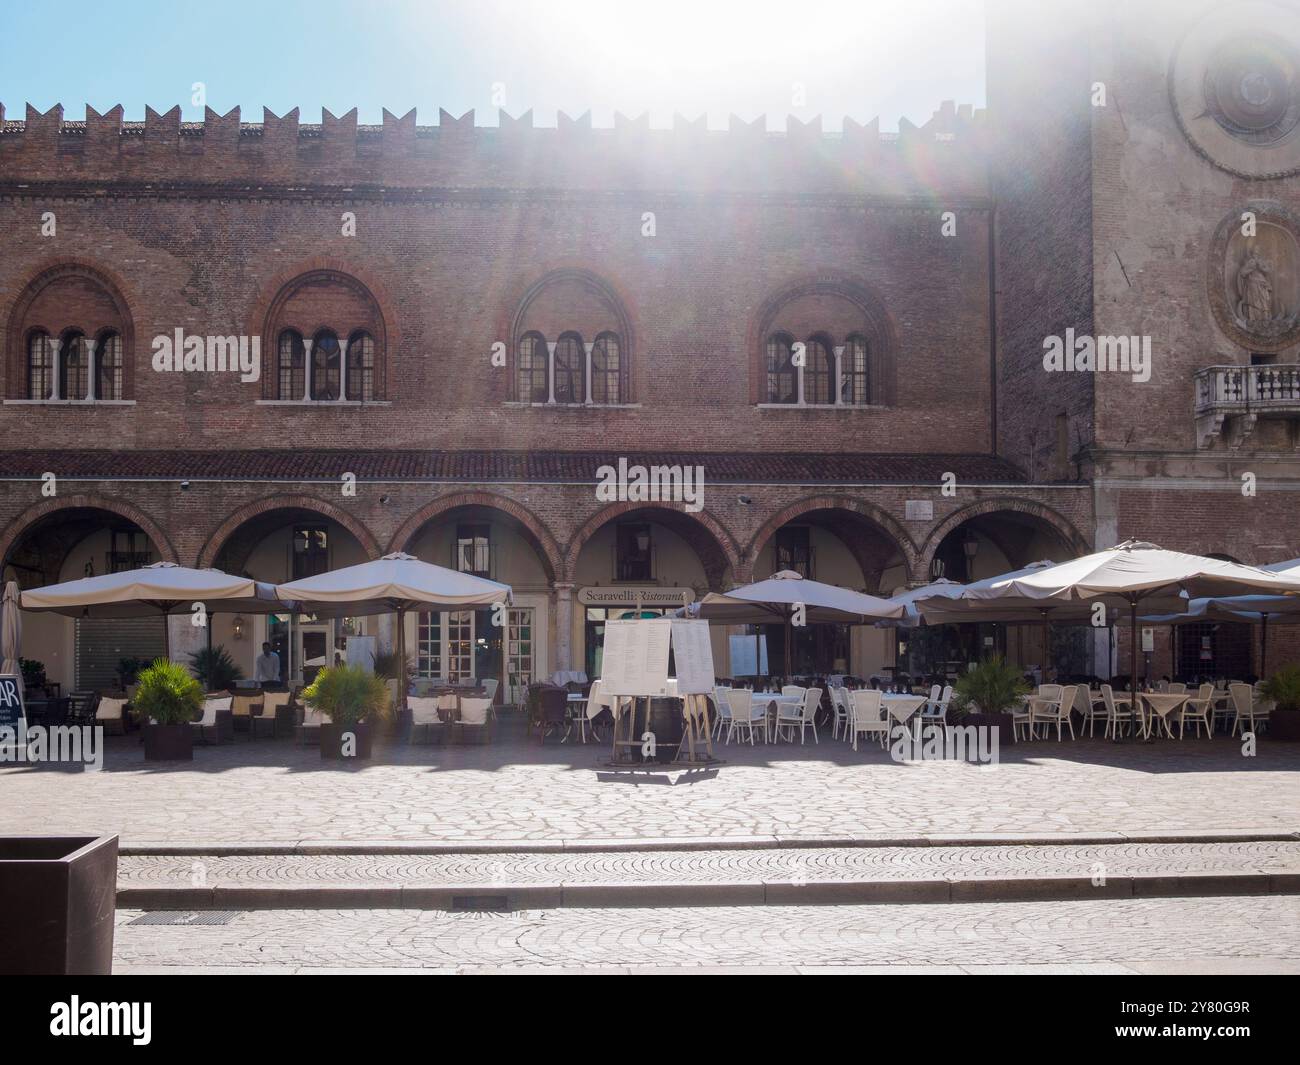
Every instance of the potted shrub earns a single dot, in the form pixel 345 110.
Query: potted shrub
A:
pixel 353 698
pixel 33 674
pixel 987 694
pixel 1283 689
pixel 168 698
pixel 128 670
pixel 215 669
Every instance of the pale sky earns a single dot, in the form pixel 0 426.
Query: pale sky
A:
pixel 831 57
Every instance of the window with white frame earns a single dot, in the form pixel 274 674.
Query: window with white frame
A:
pixel 817 371
pixel 570 370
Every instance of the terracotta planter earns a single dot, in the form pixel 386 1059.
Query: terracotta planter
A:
pixel 1284 725
pixel 331 741
pixel 168 743
pixel 57 897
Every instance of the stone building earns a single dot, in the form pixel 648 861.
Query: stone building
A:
pixel 447 331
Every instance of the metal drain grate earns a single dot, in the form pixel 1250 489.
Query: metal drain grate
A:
pixel 182 917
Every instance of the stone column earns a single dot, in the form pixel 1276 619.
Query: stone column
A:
pixel 563 625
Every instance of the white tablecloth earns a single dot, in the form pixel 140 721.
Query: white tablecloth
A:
pixel 568 676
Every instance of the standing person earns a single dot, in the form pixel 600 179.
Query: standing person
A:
pixel 266 670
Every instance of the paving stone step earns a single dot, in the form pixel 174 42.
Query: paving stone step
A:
pixel 691 877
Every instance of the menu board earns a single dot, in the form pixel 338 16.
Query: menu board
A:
pixel 692 656
pixel 635 661
pixel 749 656
pixel 13 718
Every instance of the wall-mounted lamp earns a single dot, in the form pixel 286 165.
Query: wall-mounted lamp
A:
pixel 238 626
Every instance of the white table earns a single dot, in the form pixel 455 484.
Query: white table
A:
pixel 903 708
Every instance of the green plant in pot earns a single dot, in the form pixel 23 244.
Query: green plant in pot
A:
pixel 168 698
pixel 1283 690
pixel 128 670
pixel 215 668
pixel 33 673
pixel 352 697
pixel 987 694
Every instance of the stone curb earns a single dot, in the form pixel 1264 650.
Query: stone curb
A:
pixel 694 843
pixel 718 893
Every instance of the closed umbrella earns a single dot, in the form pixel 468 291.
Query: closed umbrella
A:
pixel 778 598
pixel 11 632
pixel 395 583
pixel 158 590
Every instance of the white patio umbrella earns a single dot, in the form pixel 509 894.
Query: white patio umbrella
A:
pixel 948 603
pixel 395 583
pixel 1135 572
pixel 777 599
pixel 11 632
pixel 158 590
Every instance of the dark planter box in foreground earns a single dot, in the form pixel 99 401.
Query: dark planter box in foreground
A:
pixel 331 742
pixel 168 743
pixel 1284 725
pixel 57 896
pixel 1004 723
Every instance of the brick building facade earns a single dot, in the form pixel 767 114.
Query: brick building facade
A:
pixel 471 321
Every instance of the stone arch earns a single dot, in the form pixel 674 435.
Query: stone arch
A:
pixel 603 289
pixel 887 526
pixel 543 542
pixel 1072 539
pixel 712 543
pixel 274 293
pixel 17 329
pixel 217 540
pixel 879 323
pixel 14 531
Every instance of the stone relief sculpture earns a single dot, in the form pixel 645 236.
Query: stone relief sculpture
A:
pixel 1254 290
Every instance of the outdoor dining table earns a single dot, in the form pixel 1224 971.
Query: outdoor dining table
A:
pixel 903 708
pixel 1163 704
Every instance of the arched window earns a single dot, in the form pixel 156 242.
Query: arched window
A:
pixel 817 372
pixel 782 376
pixel 74 366
pixel 570 370
pixel 325 366
pixel 533 387
pixel 291 365
pixel 855 371
pixel 40 366
pixel 606 370
pixel 361 368
pixel 108 366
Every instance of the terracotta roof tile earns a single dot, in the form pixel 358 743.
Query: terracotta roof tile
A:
pixel 518 466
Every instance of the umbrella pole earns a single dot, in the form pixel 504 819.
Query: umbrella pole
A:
pixel 401 660
pixel 1263 647
pixel 1133 660
pixel 789 661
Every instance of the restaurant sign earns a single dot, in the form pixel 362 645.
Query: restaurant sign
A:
pixel 632 595
pixel 13 718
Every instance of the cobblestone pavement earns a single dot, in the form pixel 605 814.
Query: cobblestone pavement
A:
pixel 788 866
pixel 511 791
pixel 1116 935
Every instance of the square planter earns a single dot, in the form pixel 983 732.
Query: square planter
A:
pixel 57 897
pixel 331 742
pixel 168 743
